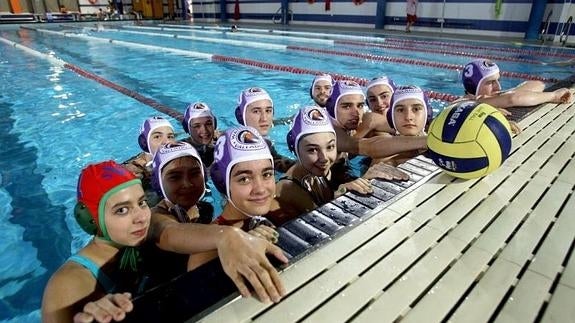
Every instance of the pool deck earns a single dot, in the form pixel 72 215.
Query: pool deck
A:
pixel 499 248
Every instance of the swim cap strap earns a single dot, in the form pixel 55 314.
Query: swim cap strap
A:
pixel 130 259
pixel 102 205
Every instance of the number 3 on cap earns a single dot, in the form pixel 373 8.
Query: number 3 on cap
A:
pixel 468 71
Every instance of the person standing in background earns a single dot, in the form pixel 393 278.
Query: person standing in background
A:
pixel 411 9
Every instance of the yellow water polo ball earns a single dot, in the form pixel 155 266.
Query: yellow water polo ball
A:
pixel 469 139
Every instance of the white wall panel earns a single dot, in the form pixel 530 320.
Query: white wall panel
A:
pixel 338 8
pixel 481 11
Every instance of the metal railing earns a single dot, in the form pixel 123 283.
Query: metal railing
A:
pixel 277 17
pixel 565 30
pixel 546 27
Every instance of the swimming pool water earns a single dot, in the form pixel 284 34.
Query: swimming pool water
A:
pixel 54 122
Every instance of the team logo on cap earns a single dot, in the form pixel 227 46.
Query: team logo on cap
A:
pixel 150 122
pixel 409 89
pixel 171 147
pixel 488 63
pixel 349 83
pixel 253 91
pixel 314 116
pixel 199 106
pixel 245 139
pixel 248 137
pixel 380 79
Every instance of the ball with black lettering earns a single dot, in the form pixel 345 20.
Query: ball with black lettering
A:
pixel 469 139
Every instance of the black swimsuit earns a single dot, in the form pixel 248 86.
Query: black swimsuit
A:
pixel 320 194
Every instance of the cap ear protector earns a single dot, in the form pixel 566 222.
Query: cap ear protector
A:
pixel 290 139
pixel 143 142
pixel 156 185
pixel 239 116
pixel 85 219
pixel 185 125
pixel 218 178
pixel 389 117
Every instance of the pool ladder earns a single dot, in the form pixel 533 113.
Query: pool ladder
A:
pixel 277 17
pixel 546 28
pixel 565 30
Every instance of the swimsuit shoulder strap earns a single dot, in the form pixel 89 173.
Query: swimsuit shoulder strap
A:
pixel 100 276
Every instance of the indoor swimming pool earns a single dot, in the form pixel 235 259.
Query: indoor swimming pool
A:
pixel 73 94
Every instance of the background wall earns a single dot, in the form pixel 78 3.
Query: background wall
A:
pixel 459 16
pixel 478 17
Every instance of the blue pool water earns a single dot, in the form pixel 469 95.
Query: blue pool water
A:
pixel 53 121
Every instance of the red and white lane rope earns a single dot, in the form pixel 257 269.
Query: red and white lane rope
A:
pixel 296 70
pixel 229 59
pixel 440 51
pixel 133 94
pixel 521 51
pixel 412 61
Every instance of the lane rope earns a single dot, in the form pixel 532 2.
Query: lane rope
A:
pixel 288 32
pixel 499 49
pixel 221 58
pixel 412 61
pixel 252 36
pixel 348 54
pixel 296 70
pixel 367 40
pixel 86 74
pixel 208 40
pixel 442 52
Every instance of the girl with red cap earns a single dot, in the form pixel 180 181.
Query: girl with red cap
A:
pixel 97 282
pixel 112 207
